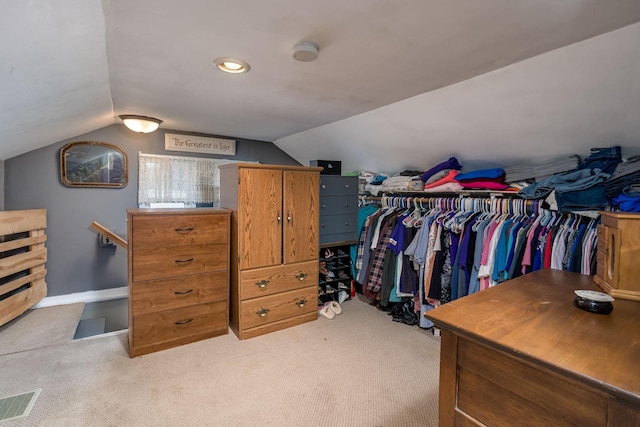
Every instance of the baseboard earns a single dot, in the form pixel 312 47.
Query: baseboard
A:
pixel 86 297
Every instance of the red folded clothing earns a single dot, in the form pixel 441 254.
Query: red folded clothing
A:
pixel 450 177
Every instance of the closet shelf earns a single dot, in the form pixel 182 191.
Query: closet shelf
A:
pixel 464 193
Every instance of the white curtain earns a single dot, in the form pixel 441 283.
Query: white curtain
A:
pixel 177 179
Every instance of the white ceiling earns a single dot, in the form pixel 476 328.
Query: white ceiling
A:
pixel 71 66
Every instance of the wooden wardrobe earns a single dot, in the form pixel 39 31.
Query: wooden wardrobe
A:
pixel 274 245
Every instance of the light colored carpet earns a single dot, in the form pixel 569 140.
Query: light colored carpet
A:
pixel 40 327
pixel 359 369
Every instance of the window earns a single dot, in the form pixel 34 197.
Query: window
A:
pixel 191 181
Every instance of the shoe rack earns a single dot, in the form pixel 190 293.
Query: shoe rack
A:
pixel 334 274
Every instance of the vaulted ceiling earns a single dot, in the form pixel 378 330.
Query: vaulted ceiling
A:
pixel 71 66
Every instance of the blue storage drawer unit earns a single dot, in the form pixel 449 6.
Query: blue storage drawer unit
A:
pixel 338 209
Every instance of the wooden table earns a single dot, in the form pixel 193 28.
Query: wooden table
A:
pixel 521 353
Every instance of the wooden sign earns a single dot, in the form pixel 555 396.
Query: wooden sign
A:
pixel 199 144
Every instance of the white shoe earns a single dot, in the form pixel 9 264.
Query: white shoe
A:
pixel 326 312
pixel 334 306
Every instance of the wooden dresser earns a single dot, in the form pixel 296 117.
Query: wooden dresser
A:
pixel 618 257
pixel 178 276
pixel 274 241
pixel 521 353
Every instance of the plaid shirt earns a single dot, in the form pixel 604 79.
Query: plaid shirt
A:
pixel 376 263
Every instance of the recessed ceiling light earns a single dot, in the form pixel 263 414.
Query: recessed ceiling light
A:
pixel 231 65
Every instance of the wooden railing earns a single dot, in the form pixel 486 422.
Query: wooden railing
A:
pixel 22 261
pixel 101 229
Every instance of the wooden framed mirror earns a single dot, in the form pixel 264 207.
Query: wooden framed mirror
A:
pixel 93 164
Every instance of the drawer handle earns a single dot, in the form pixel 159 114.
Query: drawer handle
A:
pixel 322 226
pixel 346 205
pixel 263 312
pixel 184 261
pixel 184 322
pixel 346 186
pixel 183 292
pixel 301 276
pixel 324 186
pixel 301 303
pixel 346 223
pixel 184 230
pixel 324 206
pixel 262 283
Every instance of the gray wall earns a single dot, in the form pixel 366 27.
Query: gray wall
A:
pixel 1 185
pixel 75 262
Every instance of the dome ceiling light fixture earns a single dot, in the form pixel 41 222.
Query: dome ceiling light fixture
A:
pixel 305 52
pixel 231 65
pixel 140 124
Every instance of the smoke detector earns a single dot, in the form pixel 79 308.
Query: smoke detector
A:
pixel 305 52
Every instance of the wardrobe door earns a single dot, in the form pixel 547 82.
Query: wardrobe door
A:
pixel 301 216
pixel 259 218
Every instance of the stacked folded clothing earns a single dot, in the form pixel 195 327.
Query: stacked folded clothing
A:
pixel 483 179
pixel 540 171
pixel 397 183
pixel 440 170
pixel 625 174
pixel 627 201
pixel 449 177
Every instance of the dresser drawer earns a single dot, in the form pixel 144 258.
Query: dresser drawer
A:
pixel 338 185
pixel 178 230
pixel 339 238
pixel 170 325
pixel 488 379
pixel 338 205
pixel 338 224
pixel 602 234
pixel 165 262
pixel 600 263
pixel 272 308
pixel 159 295
pixel 270 280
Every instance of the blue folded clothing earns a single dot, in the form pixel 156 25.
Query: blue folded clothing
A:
pixel 378 179
pixel 626 203
pixel 493 173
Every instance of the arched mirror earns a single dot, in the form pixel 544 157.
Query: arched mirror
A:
pixel 93 164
